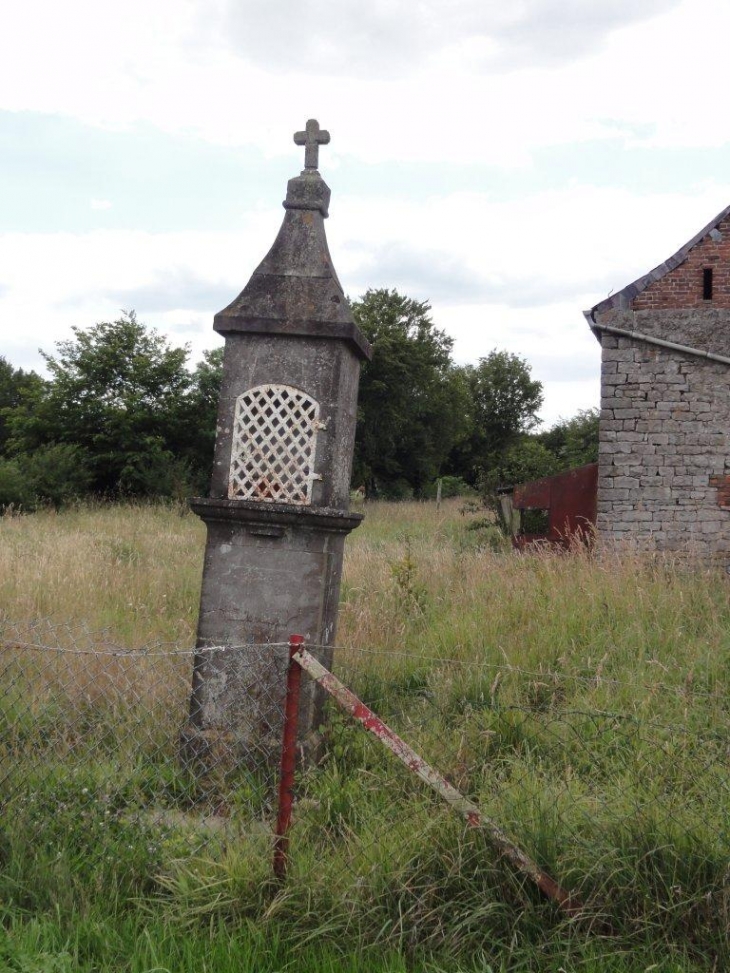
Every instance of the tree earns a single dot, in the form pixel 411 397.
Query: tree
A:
pixel 412 400
pixel 203 407
pixel 525 460
pixel 50 475
pixel 574 442
pixel 122 395
pixel 504 402
pixel 15 386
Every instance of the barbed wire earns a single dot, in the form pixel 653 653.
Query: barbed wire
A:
pixel 411 656
pixel 684 685
pixel 140 653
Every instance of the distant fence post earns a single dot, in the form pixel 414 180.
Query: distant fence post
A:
pixel 288 758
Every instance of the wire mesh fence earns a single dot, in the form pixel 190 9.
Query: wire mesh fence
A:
pixel 96 749
pixel 618 791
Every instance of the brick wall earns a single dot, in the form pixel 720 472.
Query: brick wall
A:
pixel 664 461
pixel 683 286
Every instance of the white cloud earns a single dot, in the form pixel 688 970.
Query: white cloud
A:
pixel 391 37
pixel 512 275
pixel 411 80
pixel 443 82
pixel 174 288
pixel 544 247
pixel 56 281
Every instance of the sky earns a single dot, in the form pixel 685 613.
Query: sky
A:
pixel 510 163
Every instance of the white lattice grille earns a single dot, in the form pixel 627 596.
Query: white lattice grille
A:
pixel 274 439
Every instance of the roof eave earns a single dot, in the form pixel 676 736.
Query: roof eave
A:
pixel 622 299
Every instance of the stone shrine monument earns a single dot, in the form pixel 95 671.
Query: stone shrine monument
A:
pixel 277 514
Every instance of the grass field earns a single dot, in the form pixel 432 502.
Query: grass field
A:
pixel 581 700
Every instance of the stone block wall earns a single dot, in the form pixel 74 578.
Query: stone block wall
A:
pixel 664 461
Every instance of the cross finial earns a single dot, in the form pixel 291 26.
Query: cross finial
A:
pixel 311 138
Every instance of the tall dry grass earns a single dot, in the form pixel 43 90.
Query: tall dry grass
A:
pixel 130 571
pixel 416 581
pixel 622 625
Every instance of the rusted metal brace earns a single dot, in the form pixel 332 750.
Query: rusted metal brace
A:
pixel 350 703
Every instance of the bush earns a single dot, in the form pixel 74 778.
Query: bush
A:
pixel 57 473
pixel 15 491
pixel 155 472
pixel 397 490
pixel 52 474
pixel 451 486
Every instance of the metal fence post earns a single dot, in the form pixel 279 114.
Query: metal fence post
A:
pixel 288 758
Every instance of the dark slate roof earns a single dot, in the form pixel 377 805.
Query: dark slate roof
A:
pixel 622 299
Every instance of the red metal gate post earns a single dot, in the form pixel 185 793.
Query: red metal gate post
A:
pixel 288 758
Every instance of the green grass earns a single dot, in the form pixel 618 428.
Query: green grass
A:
pixel 154 944
pixel 581 700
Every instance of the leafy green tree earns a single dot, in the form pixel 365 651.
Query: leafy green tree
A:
pixel 525 460
pixel 504 402
pixel 574 442
pixel 51 475
pixel 412 399
pixel 15 386
pixel 121 394
pixel 203 408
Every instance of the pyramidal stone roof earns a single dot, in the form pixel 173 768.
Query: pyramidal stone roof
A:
pixel 295 289
pixel 622 299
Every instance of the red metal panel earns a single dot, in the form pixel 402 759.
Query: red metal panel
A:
pixel 570 499
pixel 573 503
pixel 534 495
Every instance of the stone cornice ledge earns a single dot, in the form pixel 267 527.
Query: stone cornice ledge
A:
pixel 265 514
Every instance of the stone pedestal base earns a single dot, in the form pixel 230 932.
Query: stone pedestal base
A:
pixel 271 571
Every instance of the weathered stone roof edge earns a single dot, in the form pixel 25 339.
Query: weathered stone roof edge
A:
pixel 623 298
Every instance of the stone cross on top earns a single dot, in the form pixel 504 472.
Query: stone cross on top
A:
pixel 311 138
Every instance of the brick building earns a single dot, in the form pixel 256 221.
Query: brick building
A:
pixel 664 455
